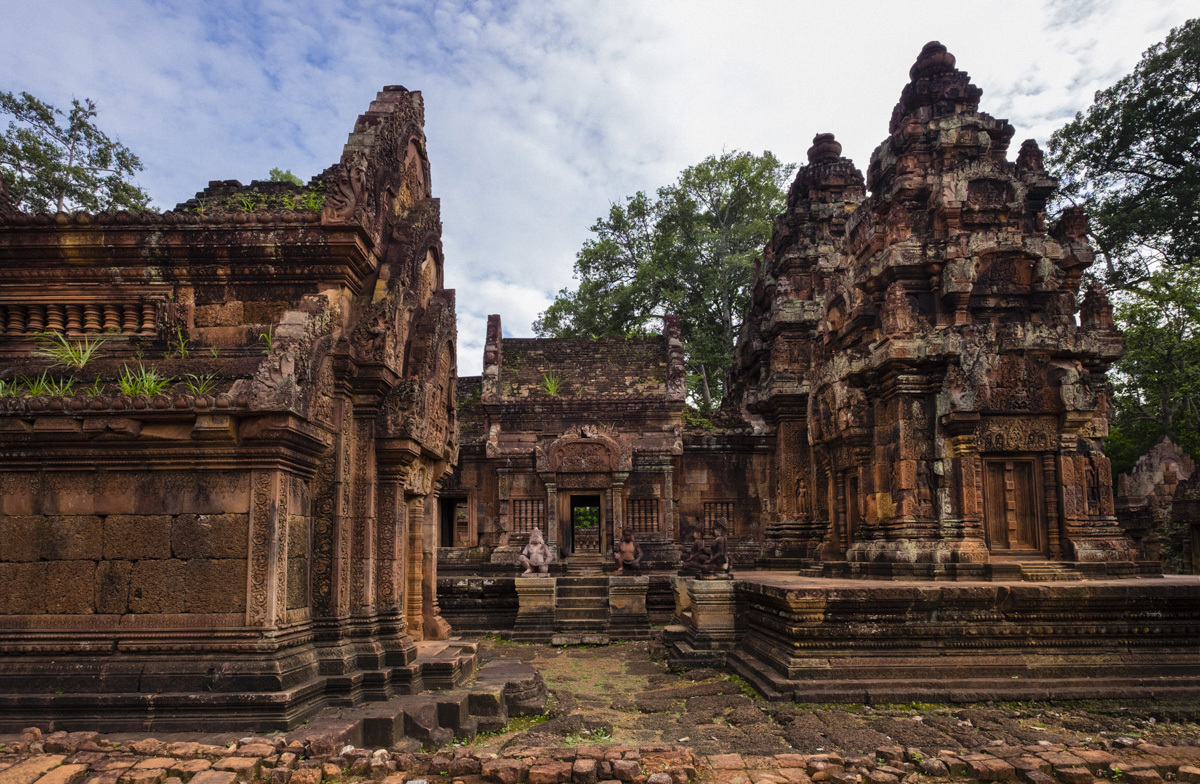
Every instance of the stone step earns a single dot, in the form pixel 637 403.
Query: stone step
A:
pixel 565 614
pixel 583 591
pixel 580 582
pixel 582 602
pixel 501 689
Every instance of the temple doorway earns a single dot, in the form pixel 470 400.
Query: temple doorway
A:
pixel 585 524
pixel 1012 506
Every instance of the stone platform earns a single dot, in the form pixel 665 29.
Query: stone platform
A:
pixel 808 639
pixel 437 666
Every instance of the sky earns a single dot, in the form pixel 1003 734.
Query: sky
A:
pixel 541 114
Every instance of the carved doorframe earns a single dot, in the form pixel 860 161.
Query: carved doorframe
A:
pixel 1034 492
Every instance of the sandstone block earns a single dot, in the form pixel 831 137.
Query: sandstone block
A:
pixel 585 771
pixel 157 587
pixel 143 776
pixel 306 776
pixel 71 538
pixel 25 595
pixel 1074 775
pixel 112 587
pixel 223 777
pixel 879 777
pixel 65 774
pixel 154 763
pixel 1142 776
pixel 187 769
pixel 19 537
pixel 279 776
pixel 1189 774
pixel 210 536
pixel 244 768
pixel 74 591
pixel 136 537
pixel 991 769
pixel 228 314
pixel 505 771
pixel 726 762
pixel 1036 777
pixel 550 773
pixel 626 770
pixel 1094 759
pixel 215 586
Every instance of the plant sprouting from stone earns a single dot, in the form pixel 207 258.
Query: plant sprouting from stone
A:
pixel 46 385
pixel 96 388
pixel 143 381
pixel 200 385
pixel 551 383
pixel 67 353
pixel 266 340
pixel 14 388
pixel 178 344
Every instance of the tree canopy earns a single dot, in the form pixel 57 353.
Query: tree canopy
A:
pixel 56 162
pixel 689 250
pixel 1133 160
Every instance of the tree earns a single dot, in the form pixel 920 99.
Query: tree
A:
pixel 690 251
pixel 279 175
pixel 1157 381
pixel 1133 161
pixel 53 162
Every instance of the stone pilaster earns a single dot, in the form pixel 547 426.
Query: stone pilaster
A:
pixel 536 598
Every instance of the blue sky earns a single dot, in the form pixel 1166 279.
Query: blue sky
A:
pixel 540 114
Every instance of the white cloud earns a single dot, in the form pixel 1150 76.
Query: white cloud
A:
pixel 540 114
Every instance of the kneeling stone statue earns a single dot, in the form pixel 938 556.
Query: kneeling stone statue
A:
pixel 536 555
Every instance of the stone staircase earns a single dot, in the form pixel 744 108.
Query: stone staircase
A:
pixel 585 565
pixel 1048 571
pixel 581 611
pixel 503 688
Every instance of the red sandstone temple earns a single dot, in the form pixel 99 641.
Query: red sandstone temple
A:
pixel 236 512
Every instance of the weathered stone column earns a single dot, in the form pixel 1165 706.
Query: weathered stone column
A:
pixel 667 526
pixel 627 615
pixel 415 568
pixel 552 518
pixel 266 575
pixel 435 627
pixel 536 597
pixel 362 565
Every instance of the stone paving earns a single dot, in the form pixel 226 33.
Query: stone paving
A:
pixel 663 728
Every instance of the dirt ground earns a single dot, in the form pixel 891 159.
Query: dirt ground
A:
pixel 618 693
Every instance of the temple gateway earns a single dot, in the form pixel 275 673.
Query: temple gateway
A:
pixel 269 492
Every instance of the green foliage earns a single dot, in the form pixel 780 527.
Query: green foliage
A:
pixel 693 419
pixel 200 385
pixel 55 162
pixel 279 175
pixel 1156 383
pixel 96 388
pixel 306 197
pixel 66 353
pixel 1133 160
pixel 551 383
pixel 689 250
pixel 14 388
pixel 178 344
pixel 266 341
pixel 46 385
pixel 143 381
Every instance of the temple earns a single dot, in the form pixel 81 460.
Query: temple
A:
pixel 268 492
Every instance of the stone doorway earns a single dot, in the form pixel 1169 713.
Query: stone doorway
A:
pixel 1012 506
pixel 585 524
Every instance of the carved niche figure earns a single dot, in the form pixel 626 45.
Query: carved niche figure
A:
pixel 719 565
pixel 348 190
pixel 697 557
pixel 627 553
pixel 536 555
